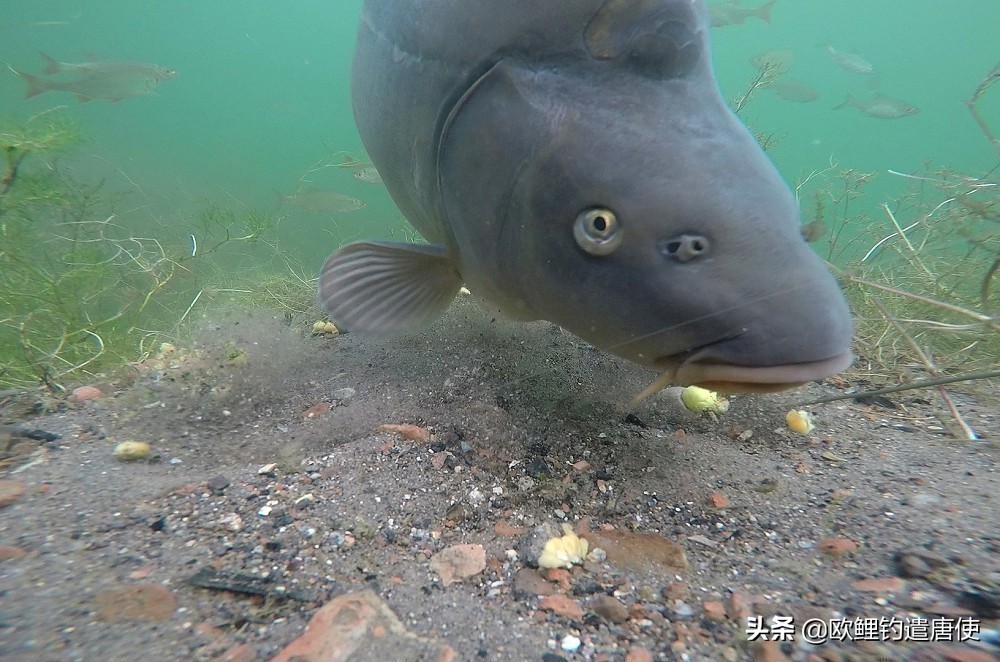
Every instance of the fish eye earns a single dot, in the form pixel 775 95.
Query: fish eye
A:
pixel 685 247
pixel 597 231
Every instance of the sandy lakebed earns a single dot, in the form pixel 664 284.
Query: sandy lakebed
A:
pixel 270 492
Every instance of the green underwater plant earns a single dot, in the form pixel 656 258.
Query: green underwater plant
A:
pixel 920 274
pixel 919 278
pixel 81 291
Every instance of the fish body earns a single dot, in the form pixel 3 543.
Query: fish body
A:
pixel 576 162
pixel 851 62
pixel 880 107
pixel 790 89
pixel 734 13
pixel 368 175
pixel 317 200
pixel 97 79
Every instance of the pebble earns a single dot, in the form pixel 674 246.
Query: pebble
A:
pixel 9 552
pixel 529 583
pixel 141 602
pixel 562 605
pixel 837 546
pixel 10 491
pixel 919 562
pixel 714 610
pixel 610 608
pixel 640 551
pixel 85 393
pixel 769 651
pixel 637 654
pixel 128 451
pixel 458 562
pixel 570 643
pixel 218 483
pixel 682 610
pixel 342 395
pixel 880 585
pixel 702 540
pixel 407 431
pixel 718 500
pixel 361 624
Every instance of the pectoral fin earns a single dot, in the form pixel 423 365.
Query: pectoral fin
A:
pixel 380 287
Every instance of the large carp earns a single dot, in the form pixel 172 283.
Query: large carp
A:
pixel 574 161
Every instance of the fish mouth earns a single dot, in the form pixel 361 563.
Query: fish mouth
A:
pixel 731 378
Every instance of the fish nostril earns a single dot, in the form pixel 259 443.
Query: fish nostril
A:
pixel 685 247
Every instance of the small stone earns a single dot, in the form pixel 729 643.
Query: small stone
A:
pixel 837 546
pixel 267 469
pixel 129 451
pixel 217 483
pixel 682 610
pixel 407 431
pixel 558 576
pixel 142 602
pixel 769 651
pixel 880 585
pixel 570 643
pixel 9 553
pixel 718 500
pixel 740 606
pixel 919 562
pixel 714 610
pixel 10 491
pixel 85 393
pixel 342 395
pixel 610 608
pixel 317 409
pixel 562 605
pixel 360 626
pixel 537 467
pixel 702 540
pixel 232 522
pixel 505 529
pixel 458 562
pixel 640 551
pixel 529 583
pixel 637 654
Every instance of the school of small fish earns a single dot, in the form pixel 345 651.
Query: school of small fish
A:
pixel 775 64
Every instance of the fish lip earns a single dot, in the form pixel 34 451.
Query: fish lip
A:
pixel 733 378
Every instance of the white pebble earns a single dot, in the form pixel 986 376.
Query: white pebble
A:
pixel 570 643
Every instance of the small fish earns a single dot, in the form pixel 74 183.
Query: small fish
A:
pixel 322 201
pixel 368 175
pixel 345 160
pixel 880 106
pixel 851 62
pixel 97 79
pixel 790 89
pixel 734 13
pixel 814 230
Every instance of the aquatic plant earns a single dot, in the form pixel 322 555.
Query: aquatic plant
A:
pixel 81 291
pixel 920 273
pixel 919 277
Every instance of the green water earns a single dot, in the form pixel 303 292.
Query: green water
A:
pixel 262 95
pixel 261 104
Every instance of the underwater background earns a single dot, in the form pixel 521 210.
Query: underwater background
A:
pixel 260 110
